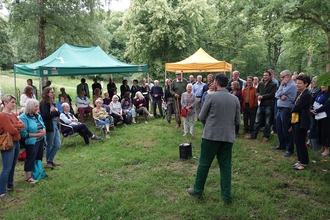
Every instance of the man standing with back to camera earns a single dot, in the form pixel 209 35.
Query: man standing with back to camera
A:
pixel 220 114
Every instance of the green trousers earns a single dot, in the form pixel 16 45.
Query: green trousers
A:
pixel 210 149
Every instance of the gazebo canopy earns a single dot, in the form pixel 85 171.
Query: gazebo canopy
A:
pixel 200 61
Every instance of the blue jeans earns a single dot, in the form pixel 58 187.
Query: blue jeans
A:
pixel 264 113
pixel 53 142
pixel 103 122
pixel 9 160
pixel 132 112
pixel 285 138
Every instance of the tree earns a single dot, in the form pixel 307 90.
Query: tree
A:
pixel 5 48
pixel 315 12
pixel 161 31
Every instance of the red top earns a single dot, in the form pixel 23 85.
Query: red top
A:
pixel 11 124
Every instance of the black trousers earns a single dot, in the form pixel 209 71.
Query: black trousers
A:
pixel 33 152
pixel 157 103
pixel 249 117
pixel 299 136
pixel 83 131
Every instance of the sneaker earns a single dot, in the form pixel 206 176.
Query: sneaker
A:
pixel 6 198
pixel 133 121
pixel 184 134
pixel 107 136
pixel 125 125
pixel 96 138
pixel 192 134
pixel 249 137
pixel 31 180
pixel 146 122
pixel 192 193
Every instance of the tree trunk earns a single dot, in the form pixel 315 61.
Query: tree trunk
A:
pixel 41 36
pixel 327 69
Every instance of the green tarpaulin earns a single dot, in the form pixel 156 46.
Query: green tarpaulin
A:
pixel 73 60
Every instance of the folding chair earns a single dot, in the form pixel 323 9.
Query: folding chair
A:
pixel 102 127
pixel 66 131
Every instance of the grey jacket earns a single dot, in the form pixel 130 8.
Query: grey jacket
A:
pixel 220 113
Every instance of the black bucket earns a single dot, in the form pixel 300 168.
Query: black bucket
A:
pixel 185 151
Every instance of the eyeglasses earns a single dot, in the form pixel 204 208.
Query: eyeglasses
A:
pixel 282 77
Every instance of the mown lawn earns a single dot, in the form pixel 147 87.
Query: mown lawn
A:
pixel 137 174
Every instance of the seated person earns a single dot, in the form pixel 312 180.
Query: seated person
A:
pixel 82 103
pixel 26 96
pixel 116 111
pixel 140 105
pixel 106 101
pixel 97 95
pixel 67 118
pixel 127 106
pixel 101 116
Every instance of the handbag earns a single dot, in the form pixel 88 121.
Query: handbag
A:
pixel 184 112
pixel 295 115
pixel 6 141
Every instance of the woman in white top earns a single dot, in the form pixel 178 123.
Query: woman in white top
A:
pixel 116 110
pixel 26 96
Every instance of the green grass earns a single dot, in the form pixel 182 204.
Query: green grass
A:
pixel 137 174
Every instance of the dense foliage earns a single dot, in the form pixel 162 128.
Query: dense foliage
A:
pixel 252 35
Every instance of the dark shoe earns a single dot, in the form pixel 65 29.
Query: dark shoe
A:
pixel 55 164
pixel 49 165
pixel 249 137
pixel 322 155
pixel 288 154
pixel 192 193
pixel 96 138
pixel 277 148
pixel 6 198
pixel 15 190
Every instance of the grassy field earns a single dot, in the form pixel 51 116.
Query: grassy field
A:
pixel 137 174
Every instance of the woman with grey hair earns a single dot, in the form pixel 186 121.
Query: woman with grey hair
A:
pixel 69 119
pixel 101 116
pixel 188 100
pixel 140 106
pixel 34 133
pixel 116 110
pixel 9 123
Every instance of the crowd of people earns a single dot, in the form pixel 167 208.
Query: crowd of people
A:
pixel 293 107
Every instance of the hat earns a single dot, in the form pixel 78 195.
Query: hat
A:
pixel 177 72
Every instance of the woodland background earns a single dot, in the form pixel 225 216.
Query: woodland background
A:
pixel 253 35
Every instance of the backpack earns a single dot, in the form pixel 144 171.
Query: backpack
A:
pixel 38 170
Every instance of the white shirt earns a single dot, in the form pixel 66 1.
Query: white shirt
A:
pixel 24 100
pixel 116 108
pixel 82 102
